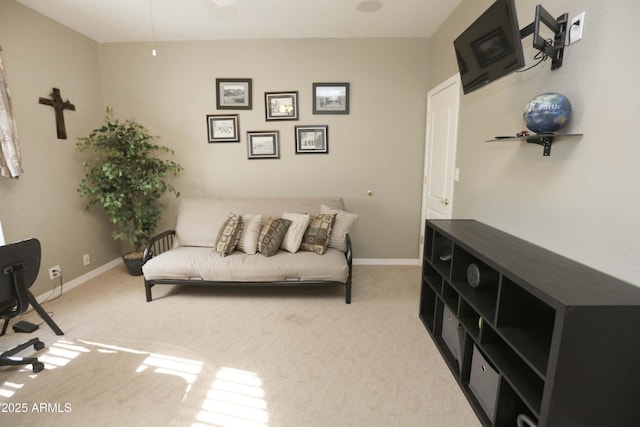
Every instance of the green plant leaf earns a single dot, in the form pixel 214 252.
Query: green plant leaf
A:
pixel 126 177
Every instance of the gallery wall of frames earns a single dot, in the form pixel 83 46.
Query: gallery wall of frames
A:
pixel 236 94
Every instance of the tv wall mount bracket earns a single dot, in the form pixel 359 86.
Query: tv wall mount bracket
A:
pixel 558 25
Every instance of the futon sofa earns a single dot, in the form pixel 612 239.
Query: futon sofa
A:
pixel 240 242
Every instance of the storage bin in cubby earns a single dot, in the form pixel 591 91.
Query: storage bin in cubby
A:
pixel 452 332
pixel 483 382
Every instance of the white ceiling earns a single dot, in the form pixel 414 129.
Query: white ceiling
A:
pixel 130 20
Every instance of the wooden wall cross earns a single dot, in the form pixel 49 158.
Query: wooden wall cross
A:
pixel 59 106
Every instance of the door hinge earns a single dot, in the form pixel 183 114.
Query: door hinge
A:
pixel 422 240
pixel 429 116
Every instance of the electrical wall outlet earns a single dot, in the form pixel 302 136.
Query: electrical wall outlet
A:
pixel 575 28
pixel 86 259
pixel 55 272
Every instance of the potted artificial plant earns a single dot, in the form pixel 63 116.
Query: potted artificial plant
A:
pixel 127 178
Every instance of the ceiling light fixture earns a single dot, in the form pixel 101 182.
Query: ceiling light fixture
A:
pixel 153 37
pixel 369 6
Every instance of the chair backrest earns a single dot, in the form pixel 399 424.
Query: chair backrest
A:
pixel 19 268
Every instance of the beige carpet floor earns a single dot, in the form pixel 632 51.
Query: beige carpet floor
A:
pixel 241 357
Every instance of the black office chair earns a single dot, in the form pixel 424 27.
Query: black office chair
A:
pixel 19 266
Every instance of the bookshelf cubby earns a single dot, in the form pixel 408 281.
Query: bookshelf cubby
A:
pixel 442 254
pixel 563 338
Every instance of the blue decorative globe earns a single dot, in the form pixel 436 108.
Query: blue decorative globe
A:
pixel 547 113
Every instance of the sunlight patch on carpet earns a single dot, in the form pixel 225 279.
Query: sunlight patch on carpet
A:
pixel 61 353
pixel 58 354
pixel 8 388
pixel 184 368
pixel 236 399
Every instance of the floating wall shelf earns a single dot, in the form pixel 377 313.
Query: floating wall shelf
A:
pixel 544 139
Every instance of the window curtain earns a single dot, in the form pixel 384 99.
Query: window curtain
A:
pixel 10 156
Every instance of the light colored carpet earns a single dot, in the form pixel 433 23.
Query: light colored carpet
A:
pixel 241 357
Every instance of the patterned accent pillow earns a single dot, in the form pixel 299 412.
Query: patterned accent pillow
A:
pixel 295 233
pixel 271 235
pixel 251 230
pixel 341 226
pixel 316 238
pixel 229 234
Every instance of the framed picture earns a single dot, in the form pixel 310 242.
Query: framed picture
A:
pixel 281 105
pixel 312 139
pixel 263 144
pixel 331 98
pixel 223 127
pixel 233 94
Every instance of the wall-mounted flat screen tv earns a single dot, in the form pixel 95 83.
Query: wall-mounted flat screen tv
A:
pixel 490 48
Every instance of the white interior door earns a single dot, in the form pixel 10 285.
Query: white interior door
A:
pixel 440 152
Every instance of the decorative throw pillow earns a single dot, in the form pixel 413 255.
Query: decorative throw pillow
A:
pixel 248 242
pixel 295 232
pixel 341 226
pixel 316 238
pixel 229 234
pixel 271 235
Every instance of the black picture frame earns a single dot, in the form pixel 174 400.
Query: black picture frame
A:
pixel 223 128
pixel 331 98
pixel 312 139
pixel 281 105
pixel 234 94
pixel 263 144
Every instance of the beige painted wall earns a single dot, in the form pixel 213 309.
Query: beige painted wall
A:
pixel 377 147
pixel 38 55
pixel 580 202
pixel 583 201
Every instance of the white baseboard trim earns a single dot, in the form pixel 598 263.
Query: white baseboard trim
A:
pixel 384 261
pixel 108 266
pixel 79 280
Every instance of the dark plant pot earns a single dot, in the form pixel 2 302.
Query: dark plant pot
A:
pixel 133 263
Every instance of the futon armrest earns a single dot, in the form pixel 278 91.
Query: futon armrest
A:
pixel 348 253
pixel 158 244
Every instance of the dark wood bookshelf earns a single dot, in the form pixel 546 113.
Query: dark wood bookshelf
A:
pixel 562 338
